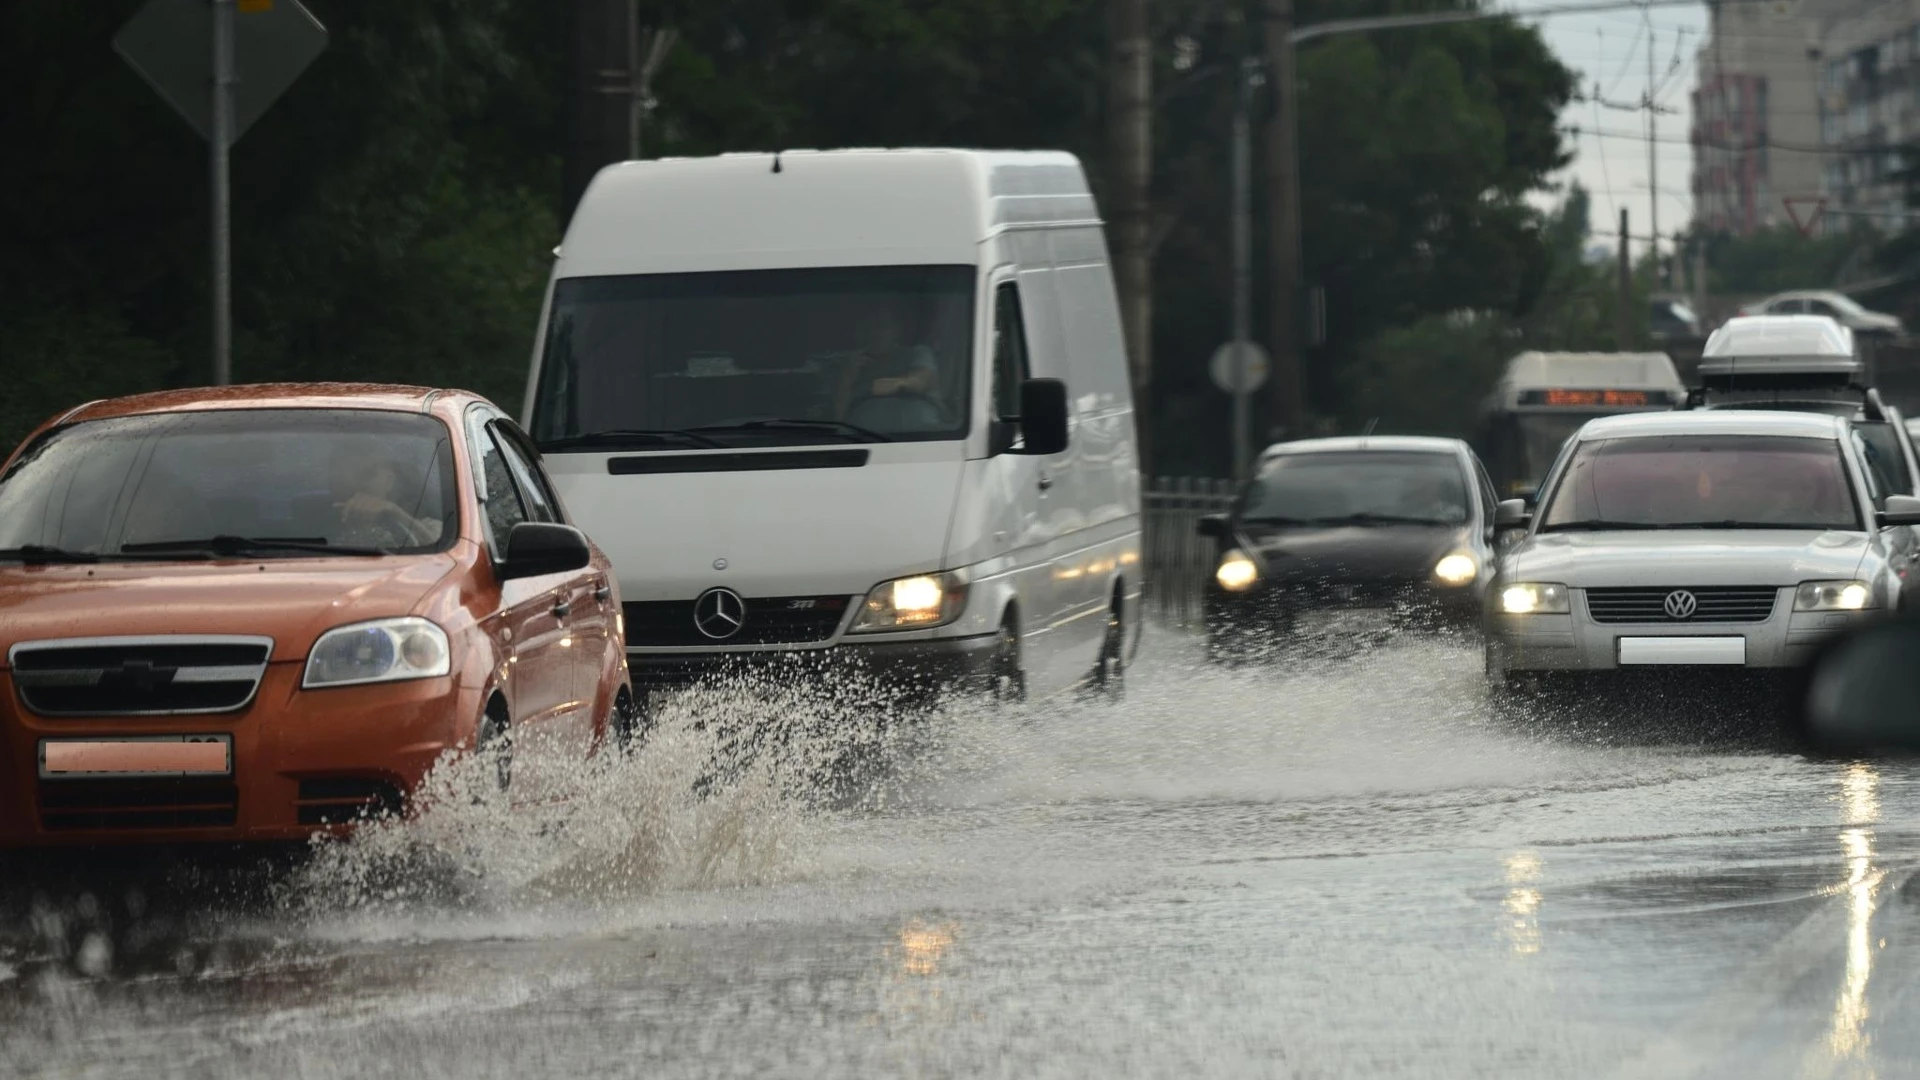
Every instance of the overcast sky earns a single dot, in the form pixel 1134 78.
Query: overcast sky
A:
pixel 1610 50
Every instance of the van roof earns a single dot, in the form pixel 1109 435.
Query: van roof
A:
pixel 1592 371
pixel 1777 345
pixel 746 211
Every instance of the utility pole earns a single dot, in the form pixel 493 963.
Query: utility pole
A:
pixel 1129 141
pixel 642 63
pixel 1288 394
pixel 1623 332
pixel 1653 169
pixel 222 144
pixel 1242 258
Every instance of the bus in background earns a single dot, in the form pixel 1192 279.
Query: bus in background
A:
pixel 1544 397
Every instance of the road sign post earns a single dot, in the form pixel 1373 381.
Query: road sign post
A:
pixel 220 64
pixel 221 109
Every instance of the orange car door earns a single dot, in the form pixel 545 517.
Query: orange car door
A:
pixel 570 641
pixel 537 685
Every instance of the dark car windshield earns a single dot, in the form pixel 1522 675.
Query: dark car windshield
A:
pixel 1358 486
pixel 856 354
pixel 288 480
pixel 1704 481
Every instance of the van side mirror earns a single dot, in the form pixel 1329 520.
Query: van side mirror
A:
pixel 1043 417
pixel 1214 525
pixel 1900 510
pixel 1512 514
pixel 537 548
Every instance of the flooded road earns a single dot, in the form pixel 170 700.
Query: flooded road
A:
pixel 1348 871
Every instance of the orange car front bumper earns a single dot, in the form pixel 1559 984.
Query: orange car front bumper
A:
pixel 303 761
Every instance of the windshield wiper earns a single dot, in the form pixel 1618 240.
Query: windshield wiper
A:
pixel 1732 524
pixel 832 427
pixel 244 545
pixel 41 553
pixel 1600 526
pixel 1377 519
pixel 630 438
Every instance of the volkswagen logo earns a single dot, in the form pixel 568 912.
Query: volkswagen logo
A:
pixel 1680 604
pixel 719 613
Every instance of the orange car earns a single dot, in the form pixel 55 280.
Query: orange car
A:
pixel 255 612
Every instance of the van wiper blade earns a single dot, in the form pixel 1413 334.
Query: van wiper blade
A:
pixel 225 544
pixel 832 427
pixel 630 438
pixel 1378 519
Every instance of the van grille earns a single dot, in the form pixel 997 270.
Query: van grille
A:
pixel 1714 604
pixel 778 620
pixel 145 676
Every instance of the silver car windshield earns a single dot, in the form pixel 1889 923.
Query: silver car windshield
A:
pixel 1704 481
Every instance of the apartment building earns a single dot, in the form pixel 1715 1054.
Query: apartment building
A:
pixel 1869 101
pixel 1756 119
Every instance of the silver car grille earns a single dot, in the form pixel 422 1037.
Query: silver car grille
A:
pixel 1711 604
pixel 161 675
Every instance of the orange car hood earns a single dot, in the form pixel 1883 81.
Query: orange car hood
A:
pixel 292 601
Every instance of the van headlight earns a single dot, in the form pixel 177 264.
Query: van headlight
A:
pixel 1458 568
pixel 385 650
pixel 1534 598
pixel 1832 596
pixel 1236 572
pixel 910 603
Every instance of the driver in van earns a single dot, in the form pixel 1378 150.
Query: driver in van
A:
pixel 886 365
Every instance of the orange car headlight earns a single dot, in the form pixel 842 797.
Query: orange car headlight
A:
pixel 385 650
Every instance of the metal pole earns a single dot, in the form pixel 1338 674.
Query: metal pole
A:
pixel 222 192
pixel 1653 170
pixel 1288 392
pixel 635 87
pixel 1623 332
pixel 1242 264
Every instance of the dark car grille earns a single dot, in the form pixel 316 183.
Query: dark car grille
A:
pixel 147 676
pixel 1715 604
pixel 779 620
pixel 138 804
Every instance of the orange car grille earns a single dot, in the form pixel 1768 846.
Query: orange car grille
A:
pixel 137 804
pixel 163 675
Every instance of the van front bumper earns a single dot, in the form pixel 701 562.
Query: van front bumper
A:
pixel 925 665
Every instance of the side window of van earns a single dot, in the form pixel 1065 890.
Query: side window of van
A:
pixel 1009 352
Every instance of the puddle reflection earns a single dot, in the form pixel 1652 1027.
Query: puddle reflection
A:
pixel 1522 903
pixel 1860 791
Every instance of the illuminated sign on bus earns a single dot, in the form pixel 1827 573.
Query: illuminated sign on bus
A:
pixel 1595 398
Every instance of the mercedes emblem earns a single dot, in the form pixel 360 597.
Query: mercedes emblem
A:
pixel 1681 604
pixel 719 613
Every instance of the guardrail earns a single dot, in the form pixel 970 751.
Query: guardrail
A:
pixel 1178 558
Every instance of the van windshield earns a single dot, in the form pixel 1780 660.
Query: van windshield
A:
pixel 757 358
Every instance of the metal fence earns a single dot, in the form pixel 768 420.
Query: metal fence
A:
pixel 1178 558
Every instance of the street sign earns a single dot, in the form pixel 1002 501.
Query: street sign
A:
pixel 1226 367
pixel 273 42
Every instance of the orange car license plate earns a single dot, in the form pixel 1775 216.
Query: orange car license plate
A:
pixel 138 755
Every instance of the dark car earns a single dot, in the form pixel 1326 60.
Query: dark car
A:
pixel 1351 536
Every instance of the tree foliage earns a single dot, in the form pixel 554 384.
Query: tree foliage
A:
pixel 395 211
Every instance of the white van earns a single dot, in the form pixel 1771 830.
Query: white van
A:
pixel 867 405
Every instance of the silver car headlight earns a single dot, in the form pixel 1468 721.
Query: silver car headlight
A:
pixel 1534 598
pixel 1833 596
pixel 385 650
pixel 912 603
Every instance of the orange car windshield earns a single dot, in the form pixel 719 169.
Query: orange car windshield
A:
pixel 259 482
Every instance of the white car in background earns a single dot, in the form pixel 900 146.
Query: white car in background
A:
pixel 1839 307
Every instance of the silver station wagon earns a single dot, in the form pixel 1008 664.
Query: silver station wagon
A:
pixel 1731 539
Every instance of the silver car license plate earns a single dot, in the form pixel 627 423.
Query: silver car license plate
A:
pixel 1730 651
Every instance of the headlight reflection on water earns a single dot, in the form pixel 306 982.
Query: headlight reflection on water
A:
pixel 1860 791
pixel 1522 903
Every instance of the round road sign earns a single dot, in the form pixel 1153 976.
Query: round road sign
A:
pixel 1227 366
